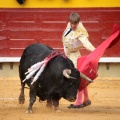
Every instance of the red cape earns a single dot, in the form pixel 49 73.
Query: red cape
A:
pixel 89 64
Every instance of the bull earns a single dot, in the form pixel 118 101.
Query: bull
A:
pixel 59 79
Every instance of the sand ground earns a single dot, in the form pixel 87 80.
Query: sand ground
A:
pixel 104 94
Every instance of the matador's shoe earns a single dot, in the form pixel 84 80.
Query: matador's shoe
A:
pixel 87 103
pixel 75 106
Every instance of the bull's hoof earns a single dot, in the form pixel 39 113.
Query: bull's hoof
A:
pixel 29 111
pixel 58 111
pixel 21 100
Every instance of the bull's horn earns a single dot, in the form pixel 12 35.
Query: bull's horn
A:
pixel 85 77
pixel 66 73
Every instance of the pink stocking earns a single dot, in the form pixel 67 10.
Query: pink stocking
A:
pixel 85 92
pixel 79 98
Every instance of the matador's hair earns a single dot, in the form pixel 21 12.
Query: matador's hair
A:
pixel 74 17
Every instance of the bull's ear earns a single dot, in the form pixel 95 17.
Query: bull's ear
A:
pixel 20 1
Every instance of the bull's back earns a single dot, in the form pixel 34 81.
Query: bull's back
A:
pixel 35 53
pixel 32 54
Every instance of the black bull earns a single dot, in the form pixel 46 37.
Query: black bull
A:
pixel 59 79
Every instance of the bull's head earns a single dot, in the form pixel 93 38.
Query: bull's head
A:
pixel 67 73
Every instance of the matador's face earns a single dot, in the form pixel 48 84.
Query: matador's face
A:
pixel 74 25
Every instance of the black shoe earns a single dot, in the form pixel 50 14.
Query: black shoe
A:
pixel 76 106
pixel 87 103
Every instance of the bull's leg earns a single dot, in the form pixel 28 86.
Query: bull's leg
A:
pixel 32 95
pixel 56 105
pixel 49 103
pixel 22 96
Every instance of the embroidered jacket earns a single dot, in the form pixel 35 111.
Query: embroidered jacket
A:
pixel 73 41
pixel 77 39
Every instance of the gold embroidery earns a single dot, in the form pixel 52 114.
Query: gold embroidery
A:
pixel 74 41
